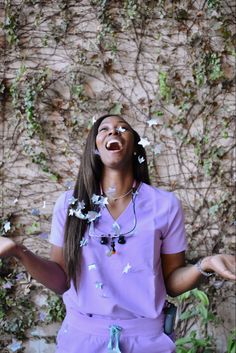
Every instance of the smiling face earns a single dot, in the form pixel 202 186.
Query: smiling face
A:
pixel 115 142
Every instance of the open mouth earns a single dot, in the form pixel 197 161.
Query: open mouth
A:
pixel 113 145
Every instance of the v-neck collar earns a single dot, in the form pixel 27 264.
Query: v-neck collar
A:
pixel 124 220
pixel 122 214
pixel 126 210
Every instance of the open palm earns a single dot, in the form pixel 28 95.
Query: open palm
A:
pixel 224 265
pixel 7 247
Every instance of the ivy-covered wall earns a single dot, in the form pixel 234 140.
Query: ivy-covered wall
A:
pixel 169 67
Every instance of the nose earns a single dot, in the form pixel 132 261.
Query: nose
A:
pixel 114 131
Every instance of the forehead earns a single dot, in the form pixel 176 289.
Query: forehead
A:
pixel 114 120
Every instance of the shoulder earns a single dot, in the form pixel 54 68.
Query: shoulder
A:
pixel 63 200
pixel 160 195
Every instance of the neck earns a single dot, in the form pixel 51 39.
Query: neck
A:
pixel 116 183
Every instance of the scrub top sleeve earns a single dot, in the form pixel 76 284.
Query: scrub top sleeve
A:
pixel 58 220
pixel 174 238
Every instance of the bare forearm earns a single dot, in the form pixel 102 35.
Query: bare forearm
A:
pixel 45 271
pixel 182 280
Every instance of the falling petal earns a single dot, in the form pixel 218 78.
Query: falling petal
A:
pixel 68 184
pixel 95 199
pixel 94 119
pixel 79 214
pixel 15 201
pixel 99 200
pixel 80 205
pixel 43 235
pixel 7 285
pixel 141 159
pixel 99 285
pixel 72 200
pixel 158 149
pixel 104 201
pixel 92 267
pixel 15 346
pixel 83 242
pixel 120 129
pixel 7 226
pixel 42 315
pixel 44 204
pixel 35 212
pixel 20 276
pixel 71 212
pixel 127 268
pixel 152 122
pixel 92 216
pixel 144 142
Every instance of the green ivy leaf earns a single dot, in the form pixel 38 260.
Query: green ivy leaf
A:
pixel 33 229
pixel 116 109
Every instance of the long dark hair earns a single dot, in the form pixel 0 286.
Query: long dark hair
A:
pixel 87 184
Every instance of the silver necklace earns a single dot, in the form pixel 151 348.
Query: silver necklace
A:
pixel 119 197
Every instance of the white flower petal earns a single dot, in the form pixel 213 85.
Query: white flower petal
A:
pixel 71 212
pixel 99 285
pixel 92 267
pixel 152 122
pixel 83 242
pixel 141 159
pixel 144 142
pixel 79 214
pixel 158 148
pixel 7 226
pixel 127 268
pixel 92 216
pixel 72 200
pixel 121 129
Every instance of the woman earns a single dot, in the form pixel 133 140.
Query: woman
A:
pixel 117 248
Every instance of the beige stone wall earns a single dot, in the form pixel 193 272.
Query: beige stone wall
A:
pixel 65 62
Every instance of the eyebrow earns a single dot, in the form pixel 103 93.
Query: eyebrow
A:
pixel 118 122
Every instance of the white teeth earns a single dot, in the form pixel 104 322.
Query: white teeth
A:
pixel 109 143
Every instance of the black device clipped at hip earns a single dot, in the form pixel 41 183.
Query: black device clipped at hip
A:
pixel 170 314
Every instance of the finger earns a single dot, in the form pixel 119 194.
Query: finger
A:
pixel 228 274
pixel 231 265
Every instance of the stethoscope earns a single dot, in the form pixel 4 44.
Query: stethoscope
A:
pixel 120 238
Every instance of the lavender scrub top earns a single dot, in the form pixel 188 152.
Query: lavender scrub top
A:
pixel 128 284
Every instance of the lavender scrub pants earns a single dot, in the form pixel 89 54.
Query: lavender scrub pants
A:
pixel 84 334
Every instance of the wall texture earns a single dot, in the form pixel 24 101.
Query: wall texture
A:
pixel 169 67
